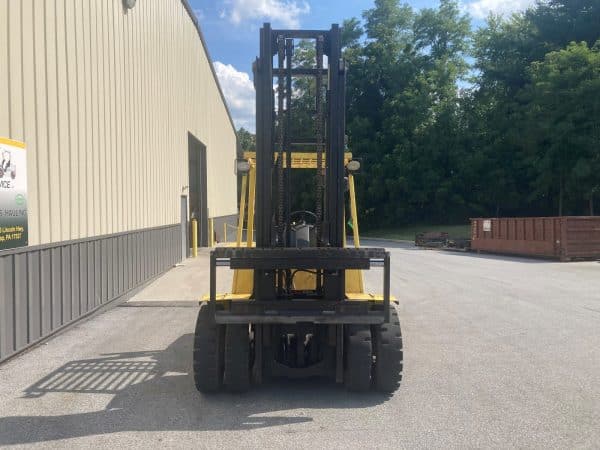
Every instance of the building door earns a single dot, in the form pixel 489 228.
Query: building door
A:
pixel 198 199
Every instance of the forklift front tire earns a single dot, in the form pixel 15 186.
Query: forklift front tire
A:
pixel 237 358
pixel 387 345
pixel 208 352
pixel 359 359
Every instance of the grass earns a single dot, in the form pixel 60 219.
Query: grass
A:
pixel 407 233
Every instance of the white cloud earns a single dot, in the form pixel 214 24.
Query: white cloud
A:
pixel 283 12
pixel 199 14
pixel 239 93
pixel 480 9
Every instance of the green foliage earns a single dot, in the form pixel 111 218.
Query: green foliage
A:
pixel 515 134
pixel 246 140
pixel 402 115
pixel 452 123
pixel 560 22
pixel 564 120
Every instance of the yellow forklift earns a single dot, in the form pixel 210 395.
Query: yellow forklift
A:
pixel 297 307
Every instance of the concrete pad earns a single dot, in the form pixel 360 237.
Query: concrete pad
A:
pixel 184 285
pixel 499 353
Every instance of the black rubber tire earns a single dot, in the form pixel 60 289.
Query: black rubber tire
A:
pixel 208 352
pixel 359 358
pixel 387 343
pixel 237 358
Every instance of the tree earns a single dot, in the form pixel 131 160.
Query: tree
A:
pixel 565 119
pixel 559 22
pixel 442 39
pixel 246 140
pixel 515 133
pixel 381 70
pixel 402 115
pixel 503 51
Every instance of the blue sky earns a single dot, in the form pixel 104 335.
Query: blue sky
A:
pixel 231 31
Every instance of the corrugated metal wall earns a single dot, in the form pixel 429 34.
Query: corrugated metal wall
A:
pixel 104 98
pixel 46 287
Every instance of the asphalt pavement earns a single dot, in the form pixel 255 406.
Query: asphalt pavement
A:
pixel 500 352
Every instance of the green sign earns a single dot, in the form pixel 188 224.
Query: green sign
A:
pixel 13 194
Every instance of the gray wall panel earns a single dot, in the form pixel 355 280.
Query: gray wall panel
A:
pixel 83 278
pixel 127 267
pixel 122 263
pixel 56 277
pixel 140 257
pixel 66 284
pixel 145 256
pixel 91 288
pixel 150 255
pixel 43 288
pixel 46 291
pixel 114 252
pixel 154 256
pixel 75 282
pixel 20 307
pixel 33 295
pixel 97 273
pixel 109 268
pixel 104 269
pixel 7 322
pixel 117 267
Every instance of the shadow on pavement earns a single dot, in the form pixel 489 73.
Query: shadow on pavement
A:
pixel 154 391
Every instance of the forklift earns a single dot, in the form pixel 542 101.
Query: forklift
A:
pixel 297 306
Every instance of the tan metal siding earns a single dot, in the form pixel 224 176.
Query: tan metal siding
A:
pixel 104 99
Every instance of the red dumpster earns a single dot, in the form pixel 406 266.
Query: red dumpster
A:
pixel 564 238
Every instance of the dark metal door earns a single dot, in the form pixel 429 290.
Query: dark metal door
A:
pixel 197 187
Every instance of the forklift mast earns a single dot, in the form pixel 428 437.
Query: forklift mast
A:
pixel 298 307
pixel 275 144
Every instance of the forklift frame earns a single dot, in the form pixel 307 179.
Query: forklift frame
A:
pixel 313 320
pixel 273 256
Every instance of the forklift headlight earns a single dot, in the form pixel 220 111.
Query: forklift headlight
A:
pixel 353 166
pixel 242 166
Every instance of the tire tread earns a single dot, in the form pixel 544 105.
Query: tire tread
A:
pixel 237 355
pixel 207 350
pixel 358 349
pixel 388 366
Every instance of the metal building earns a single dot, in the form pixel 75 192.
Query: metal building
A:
pixel 120 113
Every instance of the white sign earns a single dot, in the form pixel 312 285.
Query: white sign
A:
pixel 13 194
pixel 487 225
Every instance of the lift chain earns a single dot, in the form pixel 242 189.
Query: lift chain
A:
pixel 280 146
pixel 319 136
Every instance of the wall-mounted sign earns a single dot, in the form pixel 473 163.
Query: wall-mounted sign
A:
pixel 487 225
pixel 13 194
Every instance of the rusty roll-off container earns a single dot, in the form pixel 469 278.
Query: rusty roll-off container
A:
pixel 563 238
